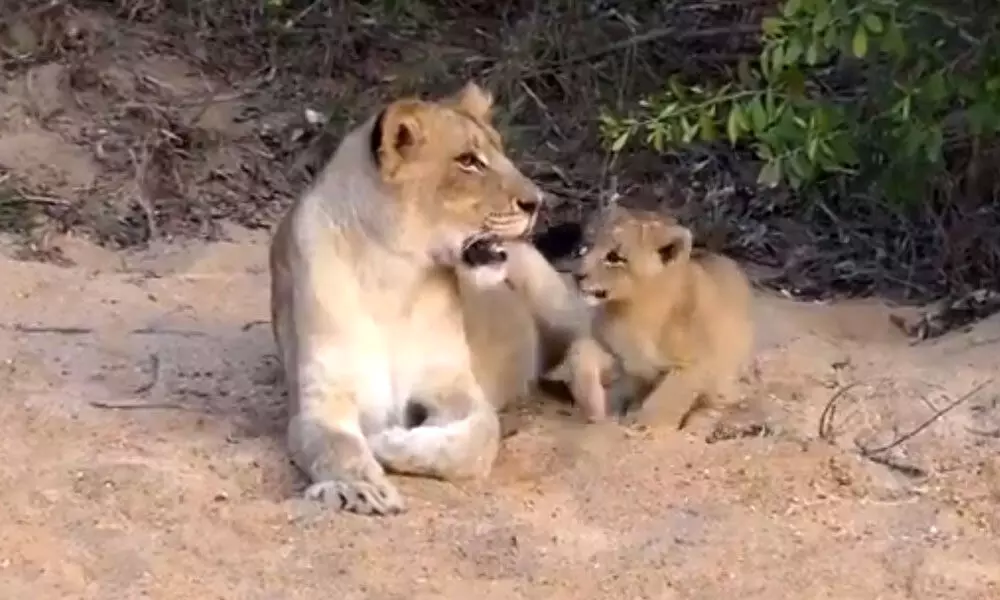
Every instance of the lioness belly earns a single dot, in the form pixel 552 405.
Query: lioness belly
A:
pixel 417 364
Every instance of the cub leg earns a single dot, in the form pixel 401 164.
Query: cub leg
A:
pixel 561 312
pixel 675 398
pixel 326 442
pixel 459 439
pixel 584 370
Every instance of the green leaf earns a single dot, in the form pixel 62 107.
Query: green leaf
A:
pixel 690 130
pixel 655 139
pixel 734 124
pixel 706 123
pixel 743 72
pixel 981 118
pixel 770 173
pixel 676 87
pixel 795 81
pixel 765 61
pixel 893 42
pixel 822 20
pixel 799 168
pixel 843 151
pixel 771 25
pixel 936 87
pixel 791 7
pixel 913 141
pixel 777 60
pixel 668 110
pixel 859 44
pixel 812 52
pixel 620 141
pixel 758 118
pixel 873 23
pixel 825 158
pixel 793 51
pixel 933 144
pixel 831 36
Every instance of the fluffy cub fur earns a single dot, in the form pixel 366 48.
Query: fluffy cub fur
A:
pixel 396 355
pixel 673 326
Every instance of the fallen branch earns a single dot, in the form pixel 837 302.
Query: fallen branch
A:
pixel 21 328
pixel 154 361
pixel 879 456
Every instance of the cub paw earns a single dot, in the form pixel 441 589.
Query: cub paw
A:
pixel 483 251
pixel 357 496
pixel 483 262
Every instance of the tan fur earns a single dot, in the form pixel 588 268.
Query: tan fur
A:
pixel 396 355
pixel 670 319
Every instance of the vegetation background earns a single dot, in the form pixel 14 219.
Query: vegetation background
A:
pixel 849 146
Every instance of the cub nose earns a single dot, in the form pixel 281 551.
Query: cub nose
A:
pixel 578 278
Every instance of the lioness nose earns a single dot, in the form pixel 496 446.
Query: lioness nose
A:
pixel 578 277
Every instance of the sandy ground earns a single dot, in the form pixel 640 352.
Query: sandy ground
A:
pixel 197 499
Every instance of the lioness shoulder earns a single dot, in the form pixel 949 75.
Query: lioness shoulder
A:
pixel 672 322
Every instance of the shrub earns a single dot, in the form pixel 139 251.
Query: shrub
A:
pixel 858 92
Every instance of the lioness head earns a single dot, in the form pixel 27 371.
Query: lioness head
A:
pixel 447 166
pixel 627 247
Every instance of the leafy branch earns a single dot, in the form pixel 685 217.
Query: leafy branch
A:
pixel 840 89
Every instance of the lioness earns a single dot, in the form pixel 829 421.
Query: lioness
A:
pixel 396 352
pixel 672 325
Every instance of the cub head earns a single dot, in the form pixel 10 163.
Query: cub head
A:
pixel 625 249
pixel 448 171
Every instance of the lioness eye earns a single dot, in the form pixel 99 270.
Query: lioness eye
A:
pixel 468 160
pixel 613 257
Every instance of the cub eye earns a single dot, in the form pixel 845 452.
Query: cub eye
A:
pixel 613 257
pixel 469 161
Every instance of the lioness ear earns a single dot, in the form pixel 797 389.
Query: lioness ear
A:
pixel 677 246
pixel 476 101
pixel 396 133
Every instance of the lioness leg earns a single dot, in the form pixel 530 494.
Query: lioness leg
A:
pixel 325 441
pixel 459 439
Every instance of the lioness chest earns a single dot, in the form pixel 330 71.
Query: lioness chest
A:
pixel 416 346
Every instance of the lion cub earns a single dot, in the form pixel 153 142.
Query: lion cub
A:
pixel 672 325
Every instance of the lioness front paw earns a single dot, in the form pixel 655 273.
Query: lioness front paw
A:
pixel 357 496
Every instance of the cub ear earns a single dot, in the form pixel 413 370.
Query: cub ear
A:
pixel 397 132
pixel 476 101
pixel 677 245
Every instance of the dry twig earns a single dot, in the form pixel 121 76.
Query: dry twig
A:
pixel 870 453
pixel 145 388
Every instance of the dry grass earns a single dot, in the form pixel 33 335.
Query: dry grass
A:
pixel 553 64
